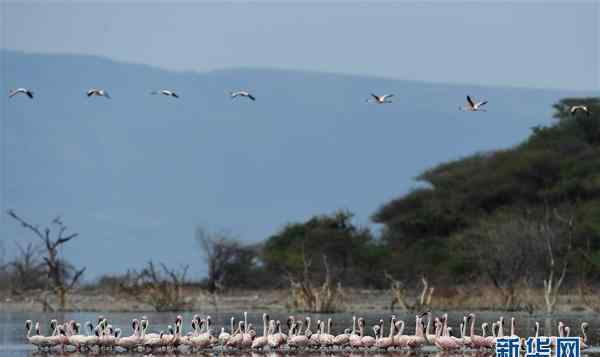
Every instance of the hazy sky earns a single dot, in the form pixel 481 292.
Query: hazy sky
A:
pixel 535 44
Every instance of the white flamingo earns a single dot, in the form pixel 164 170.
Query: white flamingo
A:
pixel 97 92
pixel 37 340
pixel 380 99
pixel 76 339
pixel 473 106
pixel 241 93
pixel 165 92
pixel 579 108
pixel 24 91
pixel 130 342
pixel 224 335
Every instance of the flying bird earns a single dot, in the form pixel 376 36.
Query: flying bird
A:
pixel 380 99
pixel 241 93
pixel 98 92
pixel 473 106
pixel 25 91
pixel 168 93
pixel 579 108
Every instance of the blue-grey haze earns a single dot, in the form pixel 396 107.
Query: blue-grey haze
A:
pixel 542 44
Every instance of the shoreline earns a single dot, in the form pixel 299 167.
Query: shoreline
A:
pixel 279 300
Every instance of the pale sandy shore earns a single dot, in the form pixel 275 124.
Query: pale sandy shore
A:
pixel 278 300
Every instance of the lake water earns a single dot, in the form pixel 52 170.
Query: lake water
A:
pixel 14 343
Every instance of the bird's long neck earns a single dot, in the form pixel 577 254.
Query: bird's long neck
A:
pixel 512 326
pixel 445 326
pixel 264 325
pixel 501 327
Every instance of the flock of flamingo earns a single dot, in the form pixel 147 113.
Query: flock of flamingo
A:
pixel 471 106
pixel 299 336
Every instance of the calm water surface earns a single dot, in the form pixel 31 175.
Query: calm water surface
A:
pixel 14 343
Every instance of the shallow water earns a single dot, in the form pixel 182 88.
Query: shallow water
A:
pixel 14 343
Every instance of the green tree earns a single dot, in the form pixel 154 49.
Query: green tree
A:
pixel 334 236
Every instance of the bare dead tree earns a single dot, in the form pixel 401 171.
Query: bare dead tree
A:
pixel 159 287
pixel 556 271
pixel 62 275
pixel 305 296
pixel 219 249
pixel 27 271
pixel 400 294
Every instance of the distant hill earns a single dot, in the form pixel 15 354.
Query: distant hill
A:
pixel 135 174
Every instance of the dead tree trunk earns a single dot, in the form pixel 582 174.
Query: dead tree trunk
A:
pixel 163 290
pixel 556 273
pixel 61 274
pixel 399 294
pixel 305 297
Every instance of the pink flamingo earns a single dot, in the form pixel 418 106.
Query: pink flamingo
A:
pixel 418 339
pixel 326 338
pixel 477 341
pixel 490 340
pixel 236 337
pixel 444 341
pixel 297 339
pixel 342 339
pixel 583 339
pixel 400 340
pixel 354 338
pixel 261 342
pixel 365 341
pixel 386 342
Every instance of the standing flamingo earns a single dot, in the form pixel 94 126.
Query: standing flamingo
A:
pixel 445 341
pixel 261 342
pixel 418 339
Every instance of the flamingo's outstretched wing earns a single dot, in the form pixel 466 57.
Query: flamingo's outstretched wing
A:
pixel 470 101
pixel 251 96
pixel 480 104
